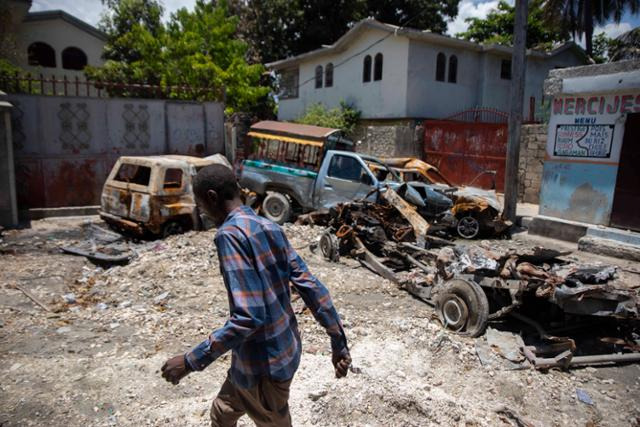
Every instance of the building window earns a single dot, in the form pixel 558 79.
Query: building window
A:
pixel 318 76
pixel 377 67
pixel 41 54
pixel 505 69
pixel 366 69
pixel 73 59
pixel 289 84
pixel 441 63
pixel 453 69
pixel 328 75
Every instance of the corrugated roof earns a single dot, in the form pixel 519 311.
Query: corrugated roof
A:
pixel 295 129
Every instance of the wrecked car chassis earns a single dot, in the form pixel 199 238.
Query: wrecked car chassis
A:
pixel 470 285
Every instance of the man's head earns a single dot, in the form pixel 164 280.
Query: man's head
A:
pixel 216 191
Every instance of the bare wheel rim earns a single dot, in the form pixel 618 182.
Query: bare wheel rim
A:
pixel 468 227
pixel 275 207
pixel 455 313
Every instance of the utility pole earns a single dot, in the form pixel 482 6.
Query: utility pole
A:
pixel 518 70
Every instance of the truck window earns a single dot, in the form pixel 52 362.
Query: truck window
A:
pixel 133 174
pixel 172 178
pixel 344 167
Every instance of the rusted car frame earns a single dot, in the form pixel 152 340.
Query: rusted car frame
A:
pixel 153 194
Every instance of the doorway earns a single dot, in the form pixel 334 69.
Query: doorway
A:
pixel 625 212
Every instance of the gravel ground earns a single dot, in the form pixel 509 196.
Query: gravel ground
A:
pixel 96 362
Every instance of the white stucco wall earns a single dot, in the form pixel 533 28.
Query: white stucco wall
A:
pixel 58 34
pixel 427 97
pixel 385 98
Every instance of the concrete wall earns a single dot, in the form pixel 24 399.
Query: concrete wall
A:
pixel 533 142
pixel 389 138
pixel 376 99
pixel 65 146
pixel 8 206
pixel 585 136
pixel 58 34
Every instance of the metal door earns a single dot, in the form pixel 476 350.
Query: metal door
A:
pixel 626 199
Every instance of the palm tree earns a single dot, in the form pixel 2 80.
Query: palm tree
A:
pixel 580 16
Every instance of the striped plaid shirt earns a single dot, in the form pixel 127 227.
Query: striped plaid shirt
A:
pixel 258 263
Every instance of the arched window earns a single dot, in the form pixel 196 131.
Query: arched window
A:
pixel 377 67
pixel 441 63
pixel 41 54
pixel 318 76
pixel 73 59
pixel 328 75
pixel 366 69
pixel 453 69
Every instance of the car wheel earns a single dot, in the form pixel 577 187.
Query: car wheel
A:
pixel 462 306
pixel 277 208
pixel 329 246
pixel 468 227
pixel 171 228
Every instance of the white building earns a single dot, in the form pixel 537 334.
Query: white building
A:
pixel 390 72
pixel 53 42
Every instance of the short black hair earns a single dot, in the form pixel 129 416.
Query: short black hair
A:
pixel 218 178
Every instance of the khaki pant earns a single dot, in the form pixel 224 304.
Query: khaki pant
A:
pixel 267 404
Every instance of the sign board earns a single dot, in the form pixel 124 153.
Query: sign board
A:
pixel 587 140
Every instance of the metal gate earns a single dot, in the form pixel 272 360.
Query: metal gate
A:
pixel 465 150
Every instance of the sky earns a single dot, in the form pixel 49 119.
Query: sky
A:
pixel 90 10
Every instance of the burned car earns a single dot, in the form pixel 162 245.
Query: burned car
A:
pixel 474 210
pixel 152 195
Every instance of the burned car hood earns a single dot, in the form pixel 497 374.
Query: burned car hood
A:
pixel 478 195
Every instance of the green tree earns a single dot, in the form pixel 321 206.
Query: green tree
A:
pixel 497 27
pixel 580 16
pixel 344 117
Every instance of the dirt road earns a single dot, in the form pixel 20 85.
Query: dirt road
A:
pixel 94 360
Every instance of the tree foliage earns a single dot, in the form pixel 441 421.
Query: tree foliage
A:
pixel 344 117
pixel 276 29
pixel 197 48
pixel 497 27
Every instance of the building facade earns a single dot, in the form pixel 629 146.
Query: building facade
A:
pixel 591 171
pixel 388 72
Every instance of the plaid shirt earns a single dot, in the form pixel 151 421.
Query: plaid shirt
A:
pixel 258 263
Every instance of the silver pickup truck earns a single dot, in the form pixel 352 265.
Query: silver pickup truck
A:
pixel 343 176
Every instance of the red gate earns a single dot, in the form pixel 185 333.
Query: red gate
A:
pixel 463 151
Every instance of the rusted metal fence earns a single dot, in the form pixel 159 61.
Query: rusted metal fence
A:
pixel 470 151
pixel 43 85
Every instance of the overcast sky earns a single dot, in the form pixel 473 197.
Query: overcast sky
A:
pixel 90 10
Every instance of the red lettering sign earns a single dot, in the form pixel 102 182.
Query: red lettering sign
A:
pixel 590 108
pixel 626 103
pixel 580 105
pixel 568 105
pixel 557 106
pixel 612 109
pixel 637 107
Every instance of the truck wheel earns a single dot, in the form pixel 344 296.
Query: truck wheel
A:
pixel 277 208
pixel 329 246
pixel 462 306
pixel 468 227
pixel 172 227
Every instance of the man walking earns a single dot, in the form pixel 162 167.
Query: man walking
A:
pixel 258 264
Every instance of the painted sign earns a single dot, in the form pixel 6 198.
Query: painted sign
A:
pixel 583 141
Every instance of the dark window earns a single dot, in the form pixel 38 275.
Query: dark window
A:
pixel 344 167
pixel 453 69
pixel 318 76
pixel 73 59
pixel 133 174
pixel 289 84
pixel 366 69
pixel 377 67
pixel 441 63
pixel 328 75
pixel 173 178
pixel 41 54
pixel 505 69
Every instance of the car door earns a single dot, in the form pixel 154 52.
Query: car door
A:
pixel 344 177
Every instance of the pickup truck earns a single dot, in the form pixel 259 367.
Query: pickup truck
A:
pixel 343 176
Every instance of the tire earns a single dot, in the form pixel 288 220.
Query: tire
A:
pixel 462 306
pixel 329 246
pixel 468 227
pixel 171 228
pixel 277 208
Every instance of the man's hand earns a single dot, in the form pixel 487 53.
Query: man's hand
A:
pixel 341 362
pixel 175 369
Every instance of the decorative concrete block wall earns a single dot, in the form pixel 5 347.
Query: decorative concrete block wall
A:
pixel 533 140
